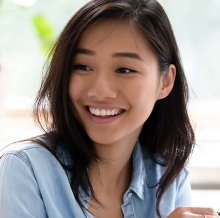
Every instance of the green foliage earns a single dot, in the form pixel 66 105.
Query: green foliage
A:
pixel 45 32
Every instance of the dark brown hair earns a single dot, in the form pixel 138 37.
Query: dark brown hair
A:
pixel 167 132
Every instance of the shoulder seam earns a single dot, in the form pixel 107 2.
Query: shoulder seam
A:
pixel 20 155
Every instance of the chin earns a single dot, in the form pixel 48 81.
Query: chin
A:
pixel 103 139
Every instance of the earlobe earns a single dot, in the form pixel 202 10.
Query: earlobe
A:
pixel 167 82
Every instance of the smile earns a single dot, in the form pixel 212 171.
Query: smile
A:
pixel 104 112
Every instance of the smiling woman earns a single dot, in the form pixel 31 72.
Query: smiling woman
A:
pixel 117 132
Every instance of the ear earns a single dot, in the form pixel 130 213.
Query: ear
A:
pixel 166 82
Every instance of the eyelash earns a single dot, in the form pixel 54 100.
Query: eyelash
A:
pixel 124 70
pixel 81 67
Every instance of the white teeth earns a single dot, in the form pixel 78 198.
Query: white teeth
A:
pixel 108 112
pixel 104 112
pixel 97 112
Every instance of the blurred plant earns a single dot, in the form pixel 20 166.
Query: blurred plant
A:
pixel 45 32
pixel 42 26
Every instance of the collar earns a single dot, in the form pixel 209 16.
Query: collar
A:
pixel 138 174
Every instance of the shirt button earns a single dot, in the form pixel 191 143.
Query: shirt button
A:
pixel 129 194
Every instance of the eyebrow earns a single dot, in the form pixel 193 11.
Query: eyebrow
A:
pixel 127 55
pixel 84 51
pixel 131 55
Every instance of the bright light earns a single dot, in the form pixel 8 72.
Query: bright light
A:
pixel 25 3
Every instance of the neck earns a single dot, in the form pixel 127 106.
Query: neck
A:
pixel 113 173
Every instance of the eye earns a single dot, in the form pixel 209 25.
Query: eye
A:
pixel 125 70
pixel 81 67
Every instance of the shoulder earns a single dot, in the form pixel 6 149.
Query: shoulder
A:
pixel 22 150
pixel 155 171
pixel 36 157
pixel 29 153
pixel 18 147
pixel 176 194
pixel 31 172
pixel 30 159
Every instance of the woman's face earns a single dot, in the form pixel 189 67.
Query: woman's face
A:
pixel 115 82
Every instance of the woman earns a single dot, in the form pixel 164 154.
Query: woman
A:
pixel 117 133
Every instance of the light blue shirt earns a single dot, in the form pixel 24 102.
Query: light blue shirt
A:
pixel 33 184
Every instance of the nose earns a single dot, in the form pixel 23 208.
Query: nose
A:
pixel 102 87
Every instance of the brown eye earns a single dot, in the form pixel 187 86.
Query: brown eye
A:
pixel 81 67
pixel 124 70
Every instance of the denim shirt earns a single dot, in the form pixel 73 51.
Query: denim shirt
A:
pixel 33 184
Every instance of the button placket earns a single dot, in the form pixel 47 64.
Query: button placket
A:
pixel 129 194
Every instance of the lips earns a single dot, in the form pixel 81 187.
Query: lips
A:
pixel 105 112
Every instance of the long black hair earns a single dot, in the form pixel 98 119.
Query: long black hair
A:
pixel 167 131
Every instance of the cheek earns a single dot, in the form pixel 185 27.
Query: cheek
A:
pixel 75 94
pixel 75 89
pixel 144 92
pixel 142 99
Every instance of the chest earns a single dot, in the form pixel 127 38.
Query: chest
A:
pixel 131 207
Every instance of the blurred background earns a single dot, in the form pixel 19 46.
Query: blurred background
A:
pixel 28 29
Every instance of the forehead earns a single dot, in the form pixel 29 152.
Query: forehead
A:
pixel 117 34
